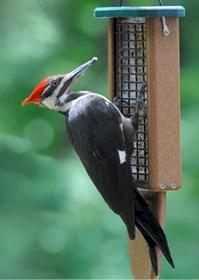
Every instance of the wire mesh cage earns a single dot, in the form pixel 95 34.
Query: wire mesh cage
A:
pixel 129 77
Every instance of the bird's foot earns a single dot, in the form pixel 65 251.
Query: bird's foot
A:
pixel 140 103
pixel 119 102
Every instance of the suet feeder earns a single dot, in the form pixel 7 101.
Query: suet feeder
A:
pixel 143 48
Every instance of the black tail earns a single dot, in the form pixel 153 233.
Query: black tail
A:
pixel 151 231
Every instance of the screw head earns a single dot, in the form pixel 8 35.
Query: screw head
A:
pixel 173 185
pixel 162 186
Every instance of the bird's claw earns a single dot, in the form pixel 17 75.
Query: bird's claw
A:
pixel 118 101
pixel 140 98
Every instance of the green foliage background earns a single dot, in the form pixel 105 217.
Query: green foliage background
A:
pixel 53 223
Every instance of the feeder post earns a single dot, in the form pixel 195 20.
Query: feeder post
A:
pixel 139 52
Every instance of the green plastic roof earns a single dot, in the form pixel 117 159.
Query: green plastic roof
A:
pixel 147 11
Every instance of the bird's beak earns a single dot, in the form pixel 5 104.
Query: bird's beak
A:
pixel 71 77
pixel 79 71
pixel 35 96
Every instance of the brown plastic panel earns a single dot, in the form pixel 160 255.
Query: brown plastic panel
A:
pixel 163 105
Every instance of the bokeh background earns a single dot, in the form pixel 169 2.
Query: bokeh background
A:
pixel 53 223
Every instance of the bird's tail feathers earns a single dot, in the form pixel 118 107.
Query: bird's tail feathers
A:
pixel 154 260
pixel 149 226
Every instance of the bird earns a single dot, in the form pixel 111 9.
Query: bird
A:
pixel 104 138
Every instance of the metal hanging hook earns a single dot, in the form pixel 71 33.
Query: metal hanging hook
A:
pixel 165 28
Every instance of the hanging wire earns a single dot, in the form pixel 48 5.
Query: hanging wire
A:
pixel 121 3
pixel 160 2
pixel 165 28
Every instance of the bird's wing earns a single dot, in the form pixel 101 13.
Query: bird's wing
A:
pixel 98 139
pixel 107 141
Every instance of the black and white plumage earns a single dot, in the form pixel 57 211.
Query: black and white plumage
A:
pixel 103 139
pixel 97 133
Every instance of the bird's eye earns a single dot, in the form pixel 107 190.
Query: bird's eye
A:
pixel 54 83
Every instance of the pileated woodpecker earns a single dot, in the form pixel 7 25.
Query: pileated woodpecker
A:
pixel 103 139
